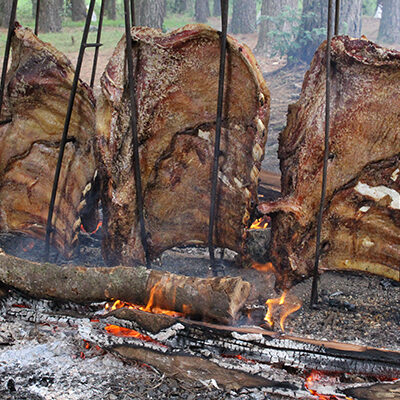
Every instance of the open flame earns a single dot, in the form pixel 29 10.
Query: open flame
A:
pixel 285 308
pixel 317 376
pixel 260 223
pixel 99 225
pixel 155 292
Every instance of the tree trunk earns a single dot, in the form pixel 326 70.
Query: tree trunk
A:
pixel 180 6
pixel 78 10
pixel 5 11
pixel 50 15
pixel 389 29
pixel 33 8
pixel 312 30
pixel 244 16
pixel 202 11
pixel 313 26
pixel 271 8
pixel 150 13
pixel 111 10
pixel 350 18
pixel 217 8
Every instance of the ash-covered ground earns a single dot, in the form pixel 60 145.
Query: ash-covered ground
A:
pixel 45 362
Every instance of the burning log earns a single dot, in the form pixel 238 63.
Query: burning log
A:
pixel 177 81
pixel 361 220
pixel 211 299
pixel 38 86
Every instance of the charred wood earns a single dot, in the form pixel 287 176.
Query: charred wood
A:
pixel 231 357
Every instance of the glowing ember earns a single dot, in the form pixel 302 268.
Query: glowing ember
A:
pixel 130 333
pixel 317 376
pixel 268 267
pixel 286 308
pixel 260 223
pixel 99 225
pixel 29 246
pixel 125 332
pixel 239 357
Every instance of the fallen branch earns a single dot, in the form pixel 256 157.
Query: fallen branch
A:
pixel 211 299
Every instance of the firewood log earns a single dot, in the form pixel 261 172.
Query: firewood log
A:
pixel 211 299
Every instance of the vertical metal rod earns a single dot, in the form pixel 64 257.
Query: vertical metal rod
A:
pixel 64 137
pixel 214 177
pixel 133 121
pixel 133 15
pixel 314 290
pixel 337 17
pixel 37 17
pixel 98 39
pixel 11 26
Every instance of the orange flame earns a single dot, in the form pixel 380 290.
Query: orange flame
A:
pixel 260 223
pixel 99 225
pixel 316 376
pixel 155 292
pixel 286 309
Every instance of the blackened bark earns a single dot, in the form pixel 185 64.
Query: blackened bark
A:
pixel 150 13
pixel 389 29
pixel 50 15
pixel 111 10
pixel 244 16
pixel 217 8
pixel 271 8
pixel 78 10
pixel 201 11
pixel 5 11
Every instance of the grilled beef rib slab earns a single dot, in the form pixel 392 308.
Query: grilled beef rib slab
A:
pixel 176 87
pixel 361 221
pixel 38 86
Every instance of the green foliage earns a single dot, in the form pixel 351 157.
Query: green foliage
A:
pixel 369 7
pixel 287 35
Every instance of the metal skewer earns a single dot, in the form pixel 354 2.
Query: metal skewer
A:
pixel 314 288
pixel 214 178
pixel 7 50
pixel 98 39
pixel 36 31
pixel 49 227
pixel 133 121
